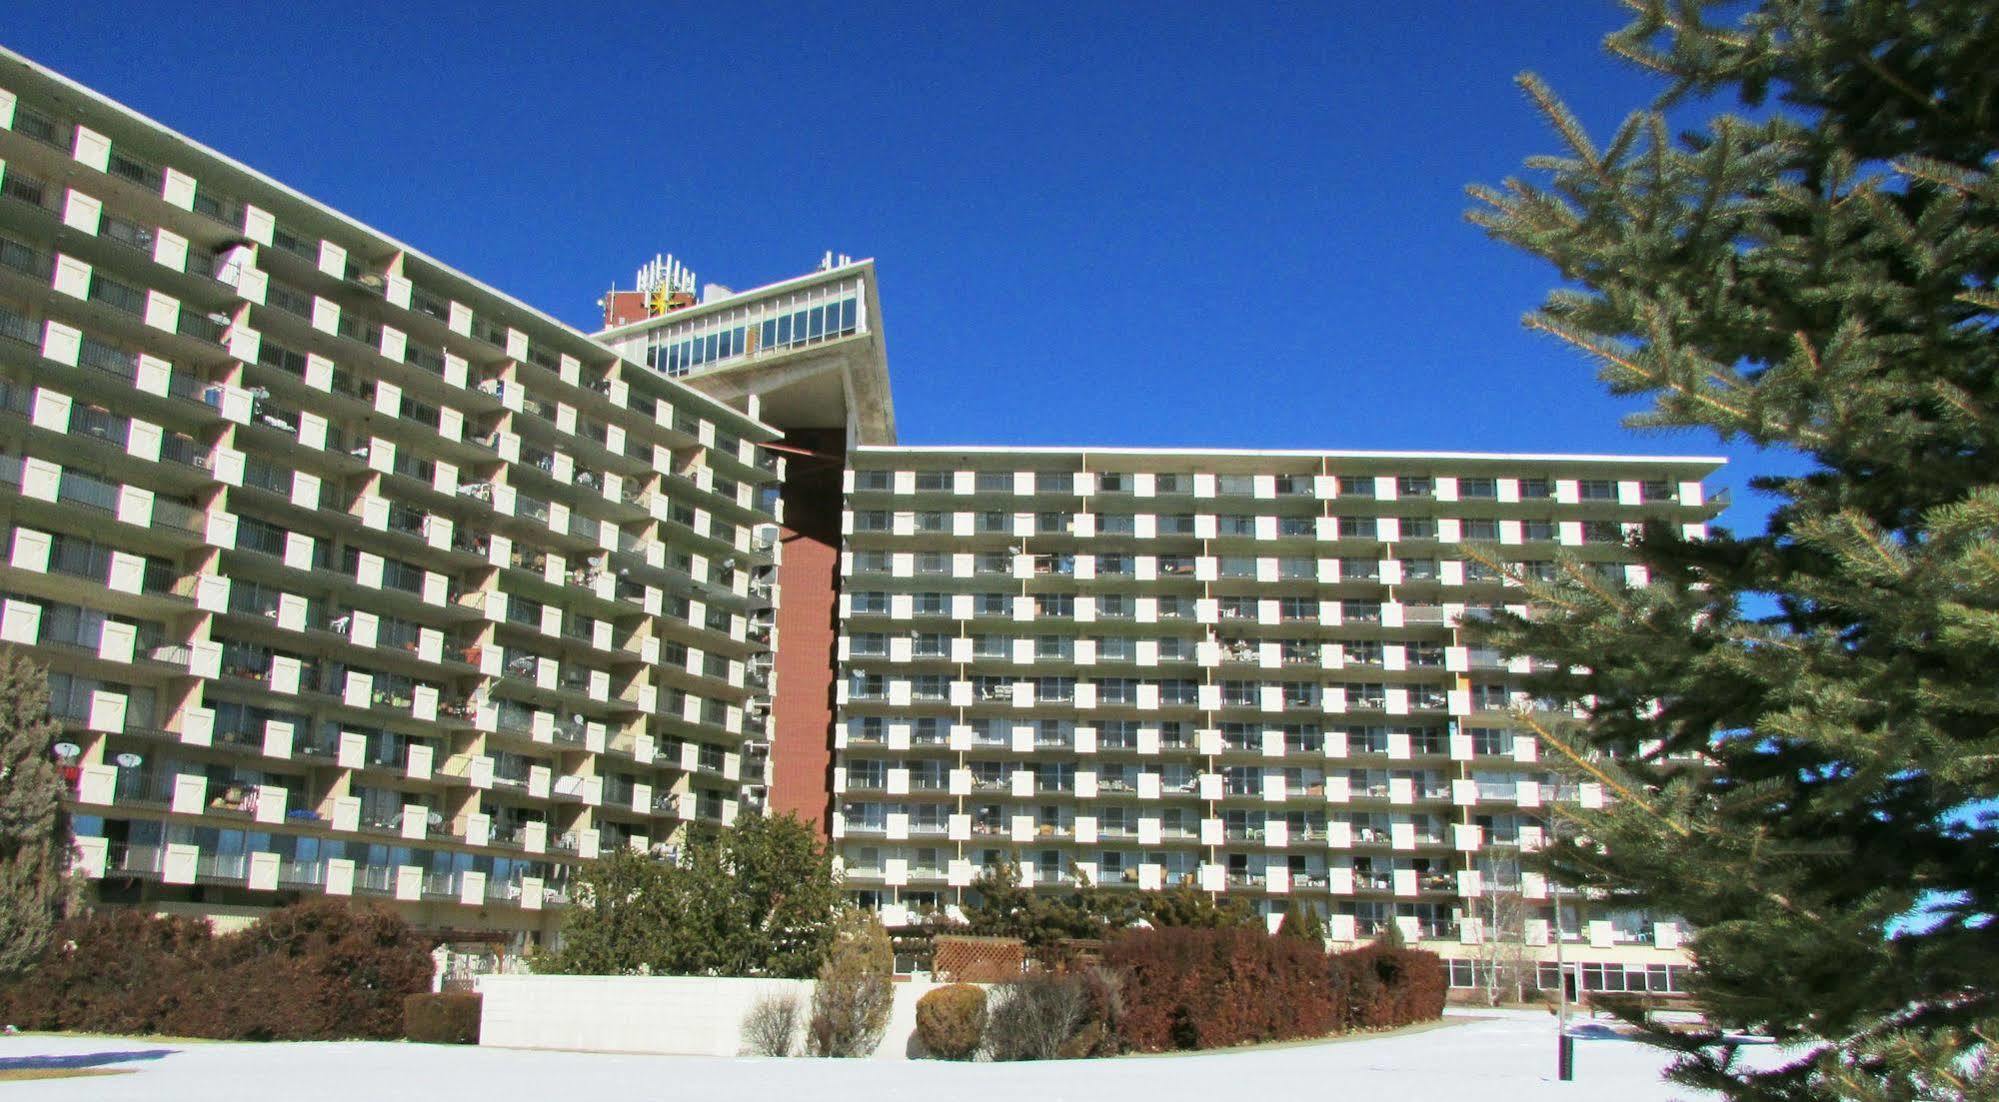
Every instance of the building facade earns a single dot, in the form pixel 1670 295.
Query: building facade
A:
pixel 358 577
pixel 1241 671
pixel 353 576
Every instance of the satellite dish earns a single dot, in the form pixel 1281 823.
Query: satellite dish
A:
pixel 67 750
pixel 128 760
pixel 435 818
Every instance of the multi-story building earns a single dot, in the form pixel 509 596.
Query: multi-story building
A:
pixel 1243 671
pixel 353 575
pixel 357 576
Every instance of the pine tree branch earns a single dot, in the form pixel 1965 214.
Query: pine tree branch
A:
pixel 1623 792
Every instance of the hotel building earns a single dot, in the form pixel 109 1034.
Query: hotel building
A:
pixel 352 574
pixel 357 576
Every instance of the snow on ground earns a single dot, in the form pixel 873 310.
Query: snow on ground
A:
pixel 1498 1057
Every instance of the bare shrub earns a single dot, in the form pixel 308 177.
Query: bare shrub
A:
pixel 771 1027
pixel 1034 1017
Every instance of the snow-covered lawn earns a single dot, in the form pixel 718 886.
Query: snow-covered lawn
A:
pixel 1503 1057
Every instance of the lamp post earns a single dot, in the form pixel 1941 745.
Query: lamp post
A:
pixel 1565 1045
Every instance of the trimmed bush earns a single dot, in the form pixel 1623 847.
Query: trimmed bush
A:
pixel 1384 987
pixel 321 970
pixel 1190 988
pixel 951 1021
pixel 450 1018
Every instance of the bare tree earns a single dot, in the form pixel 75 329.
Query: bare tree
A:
pixel 1503 964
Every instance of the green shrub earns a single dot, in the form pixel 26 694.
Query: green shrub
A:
pixel 951 1021
pixel 450 1018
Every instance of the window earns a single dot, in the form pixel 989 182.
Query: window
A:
pixel 1235 484
pixel 1597 489
pixel 1117 690
pixel 1602 531
pixel 1477 489
pixel 1357 528
pixel 1356 485
pixel 867 644
pixel 1480 529
pixel 871 520
pixel 871 562
pixel 1492 741
pixel 993 482
pixel 933 480
pixel 1415 486
pixel 1536 488
pixel 871 480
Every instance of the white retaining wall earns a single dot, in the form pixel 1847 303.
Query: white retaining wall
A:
pixel 674 1015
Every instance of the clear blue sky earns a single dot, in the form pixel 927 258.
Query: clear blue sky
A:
pixel 1167 224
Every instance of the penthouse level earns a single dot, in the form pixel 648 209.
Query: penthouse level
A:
pixel 353 574
pixel 1245 671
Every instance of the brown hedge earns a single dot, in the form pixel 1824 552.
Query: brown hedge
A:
pixel 1187 988
pixel 1191 988
pixel 450 1018
pixel 951 1021
pixel 322 970
pixel 1382 988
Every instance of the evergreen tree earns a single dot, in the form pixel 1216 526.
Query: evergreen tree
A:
pixel 1301 920
pixel 1186 905
pixel 856 989
pixel 1799 725
pixel 1004 907
pixel 35 889
pixel 756 900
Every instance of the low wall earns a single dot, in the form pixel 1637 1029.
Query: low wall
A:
pixel 671 1015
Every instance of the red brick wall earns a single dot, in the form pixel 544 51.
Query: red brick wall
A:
pixel 807 628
